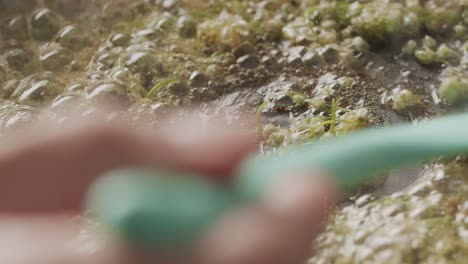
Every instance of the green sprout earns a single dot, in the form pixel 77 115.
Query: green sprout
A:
pixel 333 121
pixel 162 83
pixel 333 116
pixel 297 97
pixel 257 119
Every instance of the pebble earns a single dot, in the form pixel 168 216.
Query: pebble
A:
pixel 198 79
pixel 243 50
pixel 249 61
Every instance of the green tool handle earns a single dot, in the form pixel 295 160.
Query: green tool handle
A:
pixel 353 159
pixel 171 210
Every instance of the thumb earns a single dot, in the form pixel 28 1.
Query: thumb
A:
pixel 278 230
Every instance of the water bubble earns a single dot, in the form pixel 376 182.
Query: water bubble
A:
pixel 38 89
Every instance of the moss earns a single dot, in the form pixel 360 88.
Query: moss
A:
pixel 405 100
pixel 454 87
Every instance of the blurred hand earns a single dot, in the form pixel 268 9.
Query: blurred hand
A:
pixel 44 175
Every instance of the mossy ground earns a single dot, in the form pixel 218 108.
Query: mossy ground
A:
pixel 324 68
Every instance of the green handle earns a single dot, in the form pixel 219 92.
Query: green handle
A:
pixel 355 158
pixel 166 210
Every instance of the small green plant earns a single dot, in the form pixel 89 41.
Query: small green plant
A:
pixel 297 97
pixel 162 83
pixel 303 128
pixel 258 122
pixel 332 120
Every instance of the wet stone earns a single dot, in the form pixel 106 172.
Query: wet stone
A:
pixel 330 55
pixel 298 50
pixel 15 28
pixel 18 120
pixel 117 10
pixel 160 108
pixel 204 94
pixel 17 5
pixel 75 66
pixel 273 30
pixel 268 61
pixel 37 89
pixel 179 88
pixel 3 72
pixel 186 27
pixel 120 39
pixel 108 59
pixel 311 59
pixel 148 34
pixel 242 50
pixel 21 60
pixel 233 69
pixel 120 72
pixel 249 61
pixel 142 60
pixel 73 37
pixel 111 91
pixel 363 200
pixel 75 88
pixel 163 22
pixel 294 60
pixel 168 4
pixel 198 79
pixel 65 102
pixel 8 88
pixel 44 24
pixel 70 7
pixel 55 59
